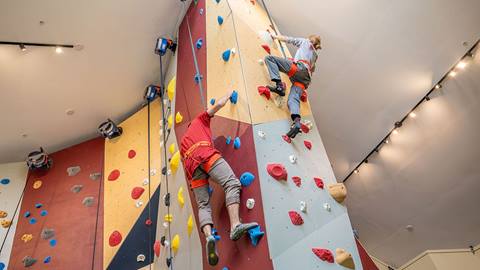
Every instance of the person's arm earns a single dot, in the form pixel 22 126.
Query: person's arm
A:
pixel 219 104
pixel 291 40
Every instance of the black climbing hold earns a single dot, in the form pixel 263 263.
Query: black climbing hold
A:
pixel 28 261
pixel 167 199
pixel 162 240
pixel 88 201
pixel 47 233
pixel 169 261
pixel 164 170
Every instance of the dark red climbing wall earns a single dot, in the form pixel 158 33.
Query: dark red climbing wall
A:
pixel 367 262
pixel 74 223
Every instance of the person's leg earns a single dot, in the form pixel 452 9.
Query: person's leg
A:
pixel 294 107
pixel 275 65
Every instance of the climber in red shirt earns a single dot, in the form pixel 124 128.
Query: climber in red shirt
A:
pixel 202 162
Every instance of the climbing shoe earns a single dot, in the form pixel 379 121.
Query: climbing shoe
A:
pixel 241 229
pixel 212 251
pixel 278 89
pixel 294 130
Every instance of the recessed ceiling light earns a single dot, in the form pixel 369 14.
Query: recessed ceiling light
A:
pixel 58 50
pixel 22 47
pixel 409 228
pixel 462 64
pixel 70 111
pixel 413 115
pixel 24 135
pixel 452 73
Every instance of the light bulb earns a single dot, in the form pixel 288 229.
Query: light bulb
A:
pixel 395 131
pixel 462 64
pixel 58 50
pixel 22 47
pixel 413 115
pixel 438 86
pixel 387 141
pixel 452 73
pixel 356 171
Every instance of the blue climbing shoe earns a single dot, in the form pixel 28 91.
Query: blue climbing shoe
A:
pixel 241 229
pixel 212 251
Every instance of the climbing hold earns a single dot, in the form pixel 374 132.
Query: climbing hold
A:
pixel 47 259
pixel 113 175
pixel 327 207
pixel 295 217
pixel 307 144
pixel 304 128
pixel 260 61
pixel 318 182
pixel 115 238
pixel 138 204
pixel 293 159
pixel 88 201
pixel 47 233
pixel 175 161
pixel 168 218
pixel 262 90
pixel 140 258
pixel 218 1
pixel 198 78
pixel 171 148
pixel 189 225
pixel 228 140
pixel 297 180
pixel 323 254
pixel 2 266
pixel 26 238
pixel 277 171
pixel 176 243
pixel 212 101
pixel 171 88
pixel 250 203
pixel 153 172
pixel 287 139
pixel 255 235
pixel 178 118
pixel 156 248
pixel 28 261
pixel 52 242
pixel 31 221
pixel 166 199
pixel 201 11
pixel 180 198
pixel 95 176
pixel 266 48
pixel 37 184
pixel 199 43
pixel 216 235
pixel 338 191
pixel 72 171
pixel 246 179
pixel 168 261
pixel 220 20
pixel 137 192
pixel 210 191
pixel 304 96
pixel 226 55
pixel 3 214
pixel 148 222
pixel 38 205
pixel 344 258
pixel 27 214
pixel 261 134
pixel 6 223
pixel 170 121
pixel 233 51
pixel 145 182
pixel 234 97
pixel 303 206
pixel 131 154
pixel 237 143
pixel 43 213
pixel 76 188
pixel 5 181
pixel 308 123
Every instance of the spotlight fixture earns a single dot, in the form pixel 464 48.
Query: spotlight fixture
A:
pixel 395 131
pixel 452 73
pixel 427 98
pixel 387 141
pixel 412 115
pixel 22 47
pixel 462 64
pixel 58 50
pixel 438 86
pixel 356 171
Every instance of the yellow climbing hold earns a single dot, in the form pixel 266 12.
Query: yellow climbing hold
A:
pixel 6 223
pixel 170 121
pixel 27 238
pixel 37 184
pixel 168 218
pixel 171 88
pixel 171 148
pixel 178 118
pixel 190 225
pixel 176 243
pixel 174 162
pixel 3 214
pixel 180 198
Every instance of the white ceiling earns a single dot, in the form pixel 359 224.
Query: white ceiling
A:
pixel 105 79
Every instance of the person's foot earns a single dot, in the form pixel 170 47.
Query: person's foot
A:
pixel 212 254
pixel 241 229
pixel 294 130
pixel 279 89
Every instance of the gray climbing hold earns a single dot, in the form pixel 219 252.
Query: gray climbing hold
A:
pixel 88 201
pixel 76 188
pixel 28 261
pixel 140 258
pixel 47 233
pixel 95 176
pixel 72 171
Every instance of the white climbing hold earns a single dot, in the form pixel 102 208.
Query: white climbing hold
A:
pixel 233 51
pixel 260 61
pixel 303 206
pixel 145 182
pixel 140 258
pixel 169 172
pixel 167 243
pixel 261 134
pixel 165 224
pixel 308 123
pixel 153 172
pixel 293 159
pixel 279 101
pixel 138 203
pixel 250 203
pixel 327 207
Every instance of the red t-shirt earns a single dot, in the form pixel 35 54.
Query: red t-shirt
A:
pixel 198 130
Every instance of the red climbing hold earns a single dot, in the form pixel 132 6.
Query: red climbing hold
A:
pixel 323 254
pixel 287 139
pixel 308 144
pixel 295 217
pixel 297 180
pixel 262 90
pixel 148 222
pixel 114 175
pixel 156 248
pixel 304 128
pixel 131 154
pixel 115 238
pixel 277 171
pixel 318 182
pixel 266 48
pixel 304 96
pixel 137 192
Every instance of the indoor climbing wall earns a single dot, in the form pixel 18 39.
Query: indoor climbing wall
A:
pixel 60 210
pixel 132 191
pixel 12 182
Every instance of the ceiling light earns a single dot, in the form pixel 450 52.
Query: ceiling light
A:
pixel 452 73
pixel 413 115
pixel 58 50
pixel 355 171
pixel 387 141
pixel 438 86
pixel 395 131
pixel 70 111
pixel 462 64
pixel 22 47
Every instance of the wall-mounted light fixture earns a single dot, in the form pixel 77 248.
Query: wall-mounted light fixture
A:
pixel 24 45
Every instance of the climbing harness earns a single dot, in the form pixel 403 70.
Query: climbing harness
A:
pixel 39 160
pixel 109 129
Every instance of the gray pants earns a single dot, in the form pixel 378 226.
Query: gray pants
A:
pixel 223 175
pixel 276 65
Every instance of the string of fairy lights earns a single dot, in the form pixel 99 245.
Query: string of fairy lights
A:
pixel 460 65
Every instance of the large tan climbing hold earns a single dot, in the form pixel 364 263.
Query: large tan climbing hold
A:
pixel 176 243
pixel 3 214
pixel 344 258
pixel 6 223
pixel 26 238
pixel 37 184
pixel 338 192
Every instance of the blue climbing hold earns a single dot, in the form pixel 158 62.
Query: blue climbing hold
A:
pixel 218 1
pixel 228 140
pixel 199 43
pixel 32 221
pixel 255 235
pixel 210 191
pixel 234 97
pixel 212 101
pixel 198 78
pixel 43 213
pixel 5 181
pixel 220 20
pixel 246 179
pixel 225 268
pixel 2 266
pixel 38 205
pixel 47 259
pixel 237 143
pixel 215 235
pixel 27 214
pixel 53 242
pixel 226 55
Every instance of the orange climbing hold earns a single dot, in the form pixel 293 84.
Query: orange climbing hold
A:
pixel 115 239
pixel 114 175
pixel 277 171
pixel 318 182
pixel 156 248
pixel 131 154
pixel 324 254
pixel 307 144
pixel 137 192
pixel 266 48
pixel 295 217
pixel 264 91
pixel 297 180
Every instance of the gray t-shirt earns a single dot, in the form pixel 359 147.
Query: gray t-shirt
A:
pixel 305 52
